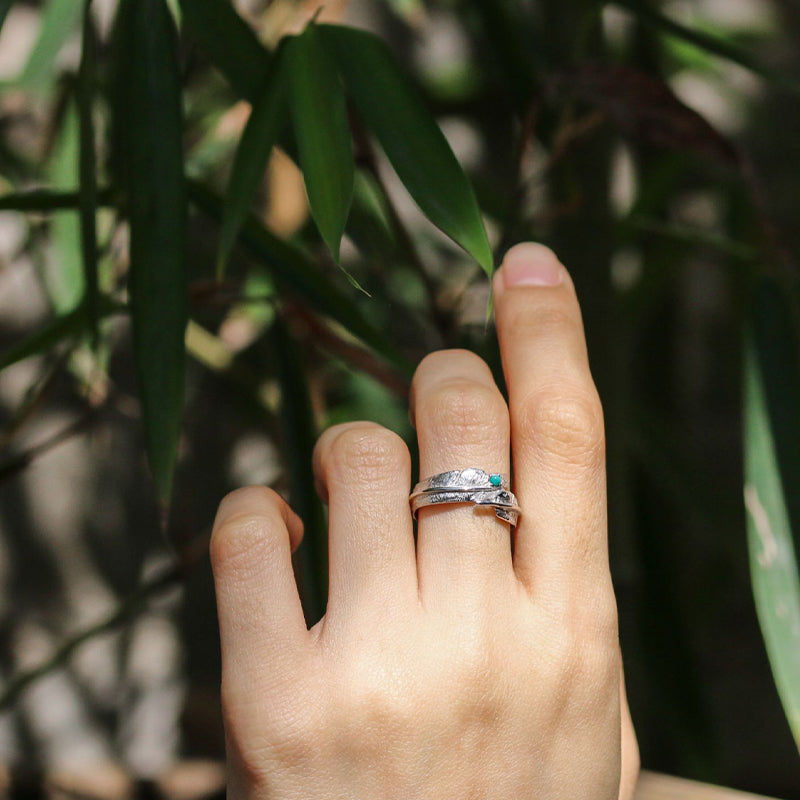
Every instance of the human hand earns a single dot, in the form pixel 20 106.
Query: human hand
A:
pixel 450 669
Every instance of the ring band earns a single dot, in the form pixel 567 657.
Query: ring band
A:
pixel 471 485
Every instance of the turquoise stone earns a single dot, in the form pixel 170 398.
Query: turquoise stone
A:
pixel 495 480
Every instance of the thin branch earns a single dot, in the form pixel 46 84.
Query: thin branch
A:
pixel 321 335
pixel 18 463
pixel 133 604
pixel 43 200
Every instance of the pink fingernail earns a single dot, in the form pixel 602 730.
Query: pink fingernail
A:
pixel 531 264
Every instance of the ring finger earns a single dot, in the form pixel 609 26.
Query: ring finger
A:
pixel 461 421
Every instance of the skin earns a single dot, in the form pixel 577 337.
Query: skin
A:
pixel 448 668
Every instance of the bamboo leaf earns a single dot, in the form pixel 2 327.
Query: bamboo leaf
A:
pixel 292 270
pixel 229 42
pixel 153 163
pixel 706 41
pixel 410 137
pixel 59 20
pixel 88 176
pixel 63 271
pixel 251 157
pixel 772 487
pixel 325 147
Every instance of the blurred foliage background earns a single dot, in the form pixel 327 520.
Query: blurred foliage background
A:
pixel 168 294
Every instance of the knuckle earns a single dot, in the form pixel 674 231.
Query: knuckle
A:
pixel 586 660
pixel 470 412
pixel 246 536
pixel 567 423
pixel 366 450
pixel 374 703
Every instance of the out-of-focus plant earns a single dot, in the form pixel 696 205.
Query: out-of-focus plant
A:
pixel 137 148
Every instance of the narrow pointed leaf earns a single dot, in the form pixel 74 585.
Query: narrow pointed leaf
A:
pixel 772 487
pixel 153 164
pixel 88 177
pixel 252 156
pixel 322 132
pixel 229 42
pixel 410 137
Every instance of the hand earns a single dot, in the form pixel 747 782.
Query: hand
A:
pixel 450 669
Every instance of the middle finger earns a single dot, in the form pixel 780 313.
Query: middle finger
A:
pixel 461 421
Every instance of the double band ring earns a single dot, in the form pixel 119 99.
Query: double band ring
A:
pixel 471 485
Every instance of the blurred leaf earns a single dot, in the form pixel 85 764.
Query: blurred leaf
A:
pixel 46 200
pixel 706 41
pixel 410 137
pixel 88 177
pixel 772 485
pixel 369 225
pixel 55 331
pixel 229 42
pixel 412 12
pixel 5 7
pixel 322 131
pixel 59 21
pixel 292 269
pixel 252 156
pixel 646 109
pixel 153 161
pixel 63 269
pixel 46 337
pixel 299 434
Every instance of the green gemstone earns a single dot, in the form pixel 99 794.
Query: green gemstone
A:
pixel 495 480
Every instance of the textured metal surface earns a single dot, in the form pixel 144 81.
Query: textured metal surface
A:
pixel 469 485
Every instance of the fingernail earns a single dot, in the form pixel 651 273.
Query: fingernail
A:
pixel 531 264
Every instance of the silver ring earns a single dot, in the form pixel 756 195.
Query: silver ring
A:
pixel 471 485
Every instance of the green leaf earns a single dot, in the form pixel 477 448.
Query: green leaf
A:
pixel 322 131
pixel 153 162
pixel 59 20
pixel 229 42
pixel 251 157
pixel 63 272
pixel 772 486
pixel 292 270
pixel 706 41
pixel 410 137
pixel 88 176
